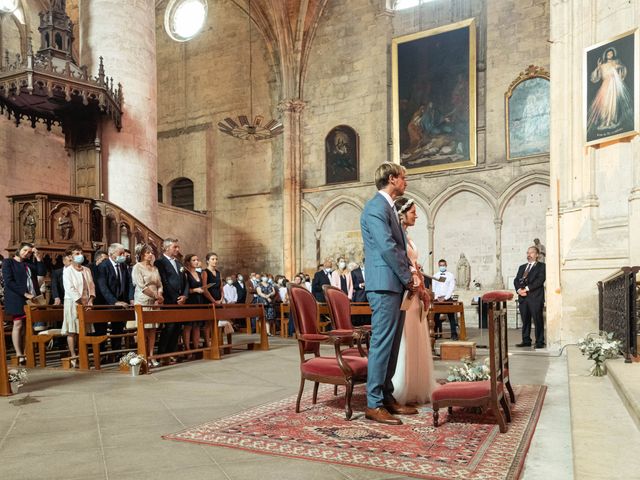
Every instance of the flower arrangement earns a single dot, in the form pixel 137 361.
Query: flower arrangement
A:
pixel 469 371
pixel 131 359
pixel 599 347
pixel 18 376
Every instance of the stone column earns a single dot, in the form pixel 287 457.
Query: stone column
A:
pixel 499 281
pixel 634 206
pixel 124 33
pixel 291 194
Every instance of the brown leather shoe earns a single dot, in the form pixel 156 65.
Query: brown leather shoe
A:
pixel 398 409
pixel 381 415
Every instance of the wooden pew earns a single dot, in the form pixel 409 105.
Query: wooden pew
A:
pixel 163 314
pixel 52 315
pixel 357 308
pixel 88 316
pixel 5 388
pixel 284 321
pixel 449 307
pixel 235 311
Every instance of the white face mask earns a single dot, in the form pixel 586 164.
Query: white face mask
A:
pixel 342 265
pixel 229 282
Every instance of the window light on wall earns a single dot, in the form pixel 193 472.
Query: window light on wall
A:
pixel 184 19
pixel 8 6
pixel 404 4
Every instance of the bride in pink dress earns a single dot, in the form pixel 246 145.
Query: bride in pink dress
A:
pixel 414 379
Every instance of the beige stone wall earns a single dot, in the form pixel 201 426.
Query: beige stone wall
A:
pixel 187 227
pixel 201 82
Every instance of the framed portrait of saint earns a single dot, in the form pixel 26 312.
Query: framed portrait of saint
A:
pixel 527 119
pixel 611 89
pixel 434 98
pixel 341 155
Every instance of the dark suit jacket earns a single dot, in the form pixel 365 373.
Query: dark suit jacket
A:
pixel 174 284
pixel 242 291
pixel 111 290
pixel 319 279
pixel 359 294
pixel 15 284
pixel 535 281
pixel 57 286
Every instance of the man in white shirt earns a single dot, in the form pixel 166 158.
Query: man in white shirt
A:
pixel 443 291
pixel 229 292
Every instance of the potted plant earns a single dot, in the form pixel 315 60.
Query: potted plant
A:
pixel 599 347
pixel 133 361
pixel 469 371
pixel 17 378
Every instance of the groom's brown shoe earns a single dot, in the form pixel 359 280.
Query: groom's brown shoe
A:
pixel 381 415
pixel 397 409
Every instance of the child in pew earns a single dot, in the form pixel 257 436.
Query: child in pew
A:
pixel 79 289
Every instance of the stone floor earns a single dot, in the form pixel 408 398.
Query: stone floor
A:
pixel 107 425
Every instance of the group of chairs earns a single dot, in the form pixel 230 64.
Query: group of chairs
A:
pixel 347 365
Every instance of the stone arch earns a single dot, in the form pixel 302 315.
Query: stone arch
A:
pixel 517 186
pixel 336 202
pixel 310 209
pixel 488 195
pixel 338 229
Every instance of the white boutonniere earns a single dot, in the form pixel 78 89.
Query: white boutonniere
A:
pixel 181 269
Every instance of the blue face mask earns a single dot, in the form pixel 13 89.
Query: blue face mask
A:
pixel 443 269
pixel 79 259
pixel 121 259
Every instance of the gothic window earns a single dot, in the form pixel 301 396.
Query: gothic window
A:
pixel 160 193
pixel 182 194
pixel 59 41
pixel 183 19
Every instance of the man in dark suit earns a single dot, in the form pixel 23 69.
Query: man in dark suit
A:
pixel 529 283
pixel 241 288
pixel 57 285
pixel 113 282
pixel 321 277
pixel 175 290
pixel 357 278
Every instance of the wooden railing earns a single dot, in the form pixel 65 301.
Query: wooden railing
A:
pixel 617 308
pixel 5 388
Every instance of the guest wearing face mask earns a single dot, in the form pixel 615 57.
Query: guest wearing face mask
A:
pixel 266 293
pixel 322 277
pixel 21 284
pixel 78 289
pixel 241 288
pixel 341 278
pixel 442 292
pixel 229 291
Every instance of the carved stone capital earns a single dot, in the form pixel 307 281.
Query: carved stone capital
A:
pixel 294 105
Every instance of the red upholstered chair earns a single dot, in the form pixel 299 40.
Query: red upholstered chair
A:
pixel 340 313
pixel 335 369
pixel 484 394
pixel 497 303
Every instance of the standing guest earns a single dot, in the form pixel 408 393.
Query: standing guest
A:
pixel 212 279
pixel 1 281
pixel 266 294
pixel 241 288
pixel 147 291
pixel 322 277
pixel 282 290
pixel 341 278
pixel 191 330
pixel 442 292
pixel 229 291
pixel 114 285
pixel 57 284
pixel 79 289
pixel 20 284
pixel 357 279
pixel 175 291
pixel 529 284
pixel 307 282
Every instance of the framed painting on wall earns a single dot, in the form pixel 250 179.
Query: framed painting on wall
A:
pixel 341 155
pixel 434 98
pixel 611 89
pixel 527 119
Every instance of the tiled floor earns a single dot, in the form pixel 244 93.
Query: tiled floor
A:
pixel 107 425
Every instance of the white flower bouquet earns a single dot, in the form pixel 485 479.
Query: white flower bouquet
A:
pixel 132 359
pixel 599 347
pixel 18 376
pixel 469 371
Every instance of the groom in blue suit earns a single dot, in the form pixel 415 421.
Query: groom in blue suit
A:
pixel 388 276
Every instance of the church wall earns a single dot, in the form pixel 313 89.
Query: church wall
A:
pixel 188 226
pixel 349 82
pixel 200 82
pixel 595 228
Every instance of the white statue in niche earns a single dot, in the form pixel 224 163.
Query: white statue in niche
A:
pixel 542 250
pixel 463 277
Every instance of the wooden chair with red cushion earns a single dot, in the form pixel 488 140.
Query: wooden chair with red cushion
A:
pixel 336 369
pixel 484 394
pixel 340 313
pixel 497 302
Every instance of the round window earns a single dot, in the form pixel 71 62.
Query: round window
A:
pixel 184 19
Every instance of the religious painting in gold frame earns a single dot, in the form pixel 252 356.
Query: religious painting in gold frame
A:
pixel 434 98
pixel 527 114
pixel 611 97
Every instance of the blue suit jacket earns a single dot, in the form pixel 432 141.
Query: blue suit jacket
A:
pixel 385 249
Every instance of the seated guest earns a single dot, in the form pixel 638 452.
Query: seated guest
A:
pixel 443 292
pixel 79 289
pixel 113 284
pixel 341 278
pixel 322 277
pixel 229 291
pixel 212 279
pixel 241 288
pixel 175 291
pixel 145 278
pixel 191 330
pixel 21 284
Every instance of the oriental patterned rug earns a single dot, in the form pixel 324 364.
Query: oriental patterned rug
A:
pixel 464 446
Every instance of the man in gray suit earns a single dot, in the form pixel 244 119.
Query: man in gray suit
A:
pixel 388 276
